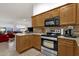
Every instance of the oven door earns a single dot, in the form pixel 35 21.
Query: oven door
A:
pixel 50 44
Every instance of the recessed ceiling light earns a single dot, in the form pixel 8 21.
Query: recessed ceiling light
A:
pixel 24 19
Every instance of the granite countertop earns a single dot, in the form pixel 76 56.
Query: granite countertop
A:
pixel 68 37
pixel 21 34
pixel 76 39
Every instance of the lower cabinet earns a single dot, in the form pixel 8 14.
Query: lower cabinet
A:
pixel 22 43
pixel 77 51
pixel 26 42
pixel 36 42
pixel 66 47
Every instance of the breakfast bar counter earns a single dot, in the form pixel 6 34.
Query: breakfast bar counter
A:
pixel 21 34
pixel 27 41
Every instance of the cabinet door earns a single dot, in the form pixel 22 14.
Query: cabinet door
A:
pixel 77 51
pixel 65 50
pixel 37 21
pixel 54 12
pixel 68 14
pixel 34 21
pixel 26 42
pixel 18 44
pixel 40 20
pixel 66 47
pixel 69 50
pixel 20 41
pixel 45 16
pixel 37 42
pixel 29 40
pixel 61 50
pixel 77 13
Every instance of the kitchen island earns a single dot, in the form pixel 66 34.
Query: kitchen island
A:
pixel 27 41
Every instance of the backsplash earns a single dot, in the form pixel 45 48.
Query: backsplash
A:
pixel 38 30
pixel 77 29
pixel 63 28
pixel 52 29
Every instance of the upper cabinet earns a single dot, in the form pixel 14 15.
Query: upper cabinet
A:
pixel 34 23
pixel 54 12
pixel 68 14
pixel 40 19
pixel 77 13
pixel 37 21
pixel 45 16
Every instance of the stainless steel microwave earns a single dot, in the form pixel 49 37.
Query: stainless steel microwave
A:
pixel 55 21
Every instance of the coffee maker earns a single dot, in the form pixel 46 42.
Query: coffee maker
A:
pixel 69 32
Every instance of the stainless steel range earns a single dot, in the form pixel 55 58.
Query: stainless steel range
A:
pixel 49 44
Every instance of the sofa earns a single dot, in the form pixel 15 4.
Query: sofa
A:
pixel 10 34
pixel 4 37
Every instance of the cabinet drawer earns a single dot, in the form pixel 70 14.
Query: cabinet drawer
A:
pixel 65 42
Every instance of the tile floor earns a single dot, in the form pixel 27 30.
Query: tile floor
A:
pixel 8 49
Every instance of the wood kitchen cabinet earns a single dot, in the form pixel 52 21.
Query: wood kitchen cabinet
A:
pixel 66 47
pixel 77 51
pixel 22 43
pixel 36 42
pixel 45 16
pixel 77 14
pixel 50 14
pixel 34 21
pixel 54 12
pixel 26 42
pixel 37 21
pixel 40 21
pixel 68 14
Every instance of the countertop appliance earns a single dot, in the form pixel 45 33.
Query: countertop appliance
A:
pixel 69 33
pixel 55 21
pixel 49 44
pixel 30 29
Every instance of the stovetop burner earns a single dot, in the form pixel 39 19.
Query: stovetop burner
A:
pixel 55 36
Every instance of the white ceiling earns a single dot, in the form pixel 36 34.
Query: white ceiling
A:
pixel 42 7
pixel 16 10
pixel 15 13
